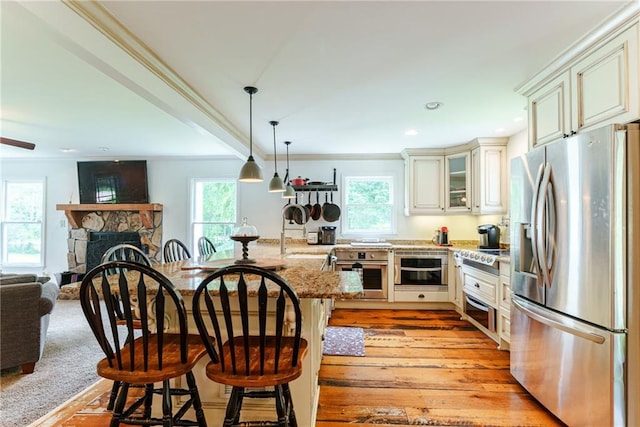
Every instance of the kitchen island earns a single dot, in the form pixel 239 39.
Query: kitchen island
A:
pixel 315 287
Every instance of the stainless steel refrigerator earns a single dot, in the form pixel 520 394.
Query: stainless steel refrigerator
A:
pixel 575 215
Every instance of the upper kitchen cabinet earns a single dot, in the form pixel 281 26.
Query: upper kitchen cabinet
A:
pixel 593 83
pixel 469 178
pixel 457 180
pixel 489 189
pixel 424 184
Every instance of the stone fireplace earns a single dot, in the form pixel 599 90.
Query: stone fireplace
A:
pixel 143 221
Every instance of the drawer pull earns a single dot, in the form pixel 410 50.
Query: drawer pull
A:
pixel 477 285
pixel 421 296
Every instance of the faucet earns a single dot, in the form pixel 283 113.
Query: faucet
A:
pixel 283 235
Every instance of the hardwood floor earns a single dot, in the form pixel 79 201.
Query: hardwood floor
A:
pixel 420 368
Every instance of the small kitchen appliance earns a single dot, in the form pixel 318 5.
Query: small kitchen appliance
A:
pixel 313 237
pixel 489 236
pixel 328 235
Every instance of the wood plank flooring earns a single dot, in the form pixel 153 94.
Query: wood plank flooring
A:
pixel 420 368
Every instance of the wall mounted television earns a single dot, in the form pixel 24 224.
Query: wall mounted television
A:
pixel 123 181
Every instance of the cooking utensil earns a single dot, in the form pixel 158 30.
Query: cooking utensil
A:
pixel 297 213
pixel 308 207
pixel 287 212
pixel 316 210
pixel 299 181
pixel 331 212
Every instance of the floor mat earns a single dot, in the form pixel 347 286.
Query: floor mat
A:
pixel 343 341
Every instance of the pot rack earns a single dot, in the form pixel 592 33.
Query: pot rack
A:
pixel 318 187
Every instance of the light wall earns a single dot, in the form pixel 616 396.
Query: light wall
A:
pixel 169 184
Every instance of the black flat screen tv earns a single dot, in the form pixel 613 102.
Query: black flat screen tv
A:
pixel 122 181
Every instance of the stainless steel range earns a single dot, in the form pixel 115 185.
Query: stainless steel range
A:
pixel 371 263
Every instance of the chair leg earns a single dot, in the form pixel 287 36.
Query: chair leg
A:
pixel 167 416
pixel 28 368
pixel 281 407
pixel 233 407
pixel 195 399
pixel 289 402
pixel 116 415
pixel 148 400
pixel 114 394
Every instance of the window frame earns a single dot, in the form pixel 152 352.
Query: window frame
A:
pixel 390 179
pixel 194 223
pixel 4 261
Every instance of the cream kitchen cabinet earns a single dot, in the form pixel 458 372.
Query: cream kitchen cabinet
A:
pixel 598 85
pixel 489 190
pixel 504 306
pixel 424 185
pixel 457 183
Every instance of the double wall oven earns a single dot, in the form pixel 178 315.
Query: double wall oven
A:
pixel 371 263
pixel 423 270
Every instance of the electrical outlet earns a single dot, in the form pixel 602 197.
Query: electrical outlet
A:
pixel 63 223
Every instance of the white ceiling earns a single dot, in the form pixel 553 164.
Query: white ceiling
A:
pixel 342 77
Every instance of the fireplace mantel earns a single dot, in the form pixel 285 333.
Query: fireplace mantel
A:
pixel 74 213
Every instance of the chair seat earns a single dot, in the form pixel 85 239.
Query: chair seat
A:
pixel 285 374
pixel 171 368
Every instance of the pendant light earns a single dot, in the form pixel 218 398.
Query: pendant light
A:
pixel 251 171
pixel 275 185
pixel 289 192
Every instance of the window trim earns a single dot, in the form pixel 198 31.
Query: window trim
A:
pixel 391 179
pixel 3 221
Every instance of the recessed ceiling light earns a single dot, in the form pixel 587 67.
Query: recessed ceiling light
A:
pixel 433 105
pixel 518 119
pixel 67 150
pixel 499 130
pixel 411 132
pixel 103 148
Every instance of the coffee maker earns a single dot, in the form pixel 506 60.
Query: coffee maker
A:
pixel 489 236
pixel 328 236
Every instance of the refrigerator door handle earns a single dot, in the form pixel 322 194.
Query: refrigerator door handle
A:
pixel 541 222
pixel 535 224
pixel 538 315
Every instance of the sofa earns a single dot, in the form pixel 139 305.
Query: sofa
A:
pixel 26 303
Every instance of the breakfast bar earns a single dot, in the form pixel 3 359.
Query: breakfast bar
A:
pixel 315 288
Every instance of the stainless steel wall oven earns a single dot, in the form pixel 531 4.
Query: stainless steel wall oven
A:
pixel 423 269
pixel 371 264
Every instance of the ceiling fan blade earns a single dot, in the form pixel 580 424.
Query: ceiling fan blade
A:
pixel 16 143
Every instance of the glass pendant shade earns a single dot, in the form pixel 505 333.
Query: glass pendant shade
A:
pixel 276 185
pixel 251 171
pixel 289 192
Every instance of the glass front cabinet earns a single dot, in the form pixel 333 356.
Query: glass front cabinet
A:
pixel 457 178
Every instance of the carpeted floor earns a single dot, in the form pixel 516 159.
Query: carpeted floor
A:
pixel 343 341
pixel 67 367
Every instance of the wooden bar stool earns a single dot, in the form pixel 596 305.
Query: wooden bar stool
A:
pixel 205 246
pixel 122 252
pixel 251 351
pixel 175 250
pixel 161 353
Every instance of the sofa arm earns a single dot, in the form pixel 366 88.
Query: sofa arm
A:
pixel 48 297
pixel 20 324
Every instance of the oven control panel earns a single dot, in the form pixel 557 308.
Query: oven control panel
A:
pixel 360 255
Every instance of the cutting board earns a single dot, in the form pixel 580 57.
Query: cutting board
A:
pixel 212 265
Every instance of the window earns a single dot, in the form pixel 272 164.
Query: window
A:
pixel 214 214
pixel 368 205
pixel 23 223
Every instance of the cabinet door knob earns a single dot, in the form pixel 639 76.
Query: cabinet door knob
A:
pixel 421 296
